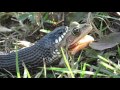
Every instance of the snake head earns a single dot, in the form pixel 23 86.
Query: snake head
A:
pixel 67 37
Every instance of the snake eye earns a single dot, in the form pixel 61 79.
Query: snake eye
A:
pixel 76 31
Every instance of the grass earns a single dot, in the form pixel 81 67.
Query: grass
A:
pixel 83 71
pixel 67 63
pixel 17 64
pixel 105 68
pixel 66 71
pixel 26 72
pixel 118 50
pixel 110 65
pixel 44 68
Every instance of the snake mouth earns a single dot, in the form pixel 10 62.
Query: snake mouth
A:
pixel 80 44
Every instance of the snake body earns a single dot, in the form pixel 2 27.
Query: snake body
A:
pixel 45 50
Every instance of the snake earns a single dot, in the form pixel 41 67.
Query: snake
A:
pixel 46 50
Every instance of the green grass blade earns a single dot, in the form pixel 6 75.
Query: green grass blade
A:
pixel 79 57
pixel 83 71
pixel 97 71
pixel 38 75
pixel 118 50
pixel 105 71
pixel 103 59
pixel 67 63
pixel 65 70
pixel 109 62
pixel 26 72
pixel 17 65
pixel 107 65
pixel 44 68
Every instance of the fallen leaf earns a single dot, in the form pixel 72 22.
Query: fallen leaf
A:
pixel 106 42
pixel 24 43
pixel 4 29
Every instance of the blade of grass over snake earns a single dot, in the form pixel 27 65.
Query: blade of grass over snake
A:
pixel 17 65
pixel 44 68
pixel 67 63
pixel 26 72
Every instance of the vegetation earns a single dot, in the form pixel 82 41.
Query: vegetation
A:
pixel 91 62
